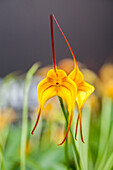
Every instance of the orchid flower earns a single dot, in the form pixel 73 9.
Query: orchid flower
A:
pixel 71 88
pixel 84 89
pixel 57 83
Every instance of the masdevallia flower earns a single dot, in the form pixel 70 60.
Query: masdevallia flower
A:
pixel 70 88
pixel 83 88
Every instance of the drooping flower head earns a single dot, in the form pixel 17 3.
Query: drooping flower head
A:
pixel 70 88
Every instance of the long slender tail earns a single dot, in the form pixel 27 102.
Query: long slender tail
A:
pixel 37 120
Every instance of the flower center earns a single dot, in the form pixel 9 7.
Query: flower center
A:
pixel 57 83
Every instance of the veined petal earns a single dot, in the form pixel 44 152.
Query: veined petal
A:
pixel 45 92
pixel 76 75
pixel 42 86
pixel 83 92
pixel 71 86
pixel 60 74
pixel 65 94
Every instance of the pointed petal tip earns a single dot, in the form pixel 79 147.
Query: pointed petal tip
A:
pixel 70 119
pixel 76 135
pixel 61 143
pixel 36 121
pixel 83 141
pixel 75 138
pixel 32 133
pixel 76 127
pixel 82 138
pixel 63 139
pixel 93 88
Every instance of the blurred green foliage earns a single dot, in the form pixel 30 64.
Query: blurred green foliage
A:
pixel 40 151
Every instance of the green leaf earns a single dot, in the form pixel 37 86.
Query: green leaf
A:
pixel 83 147
pixel 109 163
pixel 104 132
pixel 33 164
pixel 28 79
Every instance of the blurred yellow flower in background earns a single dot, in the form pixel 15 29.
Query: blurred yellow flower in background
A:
pixel 7 116
pixel 89 75
pixel 93 78
pixel 105 84
pixel 58 133
pixel 42 72
pixel 67 65
pixel 52 111
pixel 106 72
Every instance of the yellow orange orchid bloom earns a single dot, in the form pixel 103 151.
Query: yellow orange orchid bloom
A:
pixel 71 88
pixel 83 88
pixel 57 83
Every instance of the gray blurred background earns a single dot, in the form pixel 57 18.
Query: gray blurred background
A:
pixel 25 32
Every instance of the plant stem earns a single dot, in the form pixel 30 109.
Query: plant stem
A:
pixel 28 79
pixel 73 140
pixel 66 153
pixel 66 148
pixel 1 156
